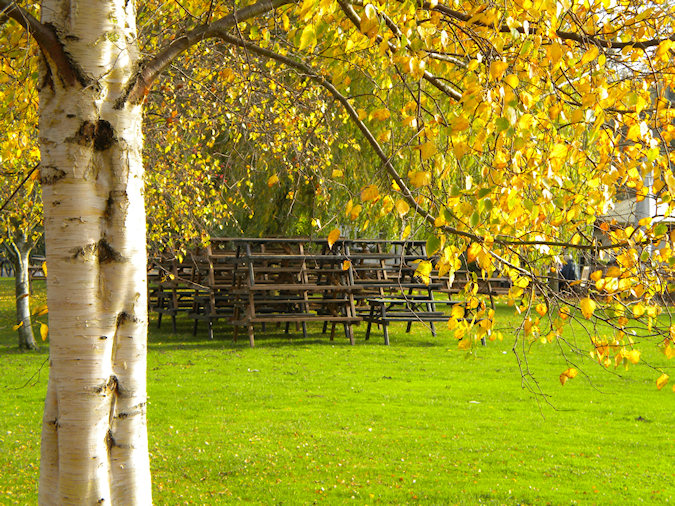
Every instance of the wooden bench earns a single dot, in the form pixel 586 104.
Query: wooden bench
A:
pixel 172 287
pixel 214 266
pixel 412 309
pixel 279 281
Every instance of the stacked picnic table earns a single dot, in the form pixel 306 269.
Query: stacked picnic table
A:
pixel 256 282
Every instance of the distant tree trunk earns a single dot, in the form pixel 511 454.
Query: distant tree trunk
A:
pixel 94 434
pixel 19 252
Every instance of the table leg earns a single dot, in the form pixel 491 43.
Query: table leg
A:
pixel 370 321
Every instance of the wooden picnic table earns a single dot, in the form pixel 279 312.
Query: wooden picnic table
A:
pixel 257 281
pixel 405 309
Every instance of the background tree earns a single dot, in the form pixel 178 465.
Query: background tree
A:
pixel 21 215
pixel 502 127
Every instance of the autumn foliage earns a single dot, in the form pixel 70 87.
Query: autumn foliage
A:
pixel 507 134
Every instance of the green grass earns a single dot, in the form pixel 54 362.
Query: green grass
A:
pixel 297 421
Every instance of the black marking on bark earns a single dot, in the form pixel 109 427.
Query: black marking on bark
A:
pixel 50 175
pixel 54 423
pixel 85 135
pixel 112 385
pixel 84 251
pixel 108 213
pixel 70 115
pixel 117 200
pixel 138 409
pixel 104 251
pixel 107 254
pixel 100 134
pixel 104 135
pixel 109 443
pixel 103 338
pixel 101 500
pixel 125 317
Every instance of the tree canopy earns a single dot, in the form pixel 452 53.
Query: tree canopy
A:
pixel 505 132
pixel 509 133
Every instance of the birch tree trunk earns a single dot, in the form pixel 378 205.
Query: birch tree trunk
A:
pixel 94 440
pixel 19 251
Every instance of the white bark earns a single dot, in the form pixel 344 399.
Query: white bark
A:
pixel 94 443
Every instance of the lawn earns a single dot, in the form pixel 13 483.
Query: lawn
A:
pixel 297 421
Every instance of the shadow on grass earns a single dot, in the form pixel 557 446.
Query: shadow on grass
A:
pixel 14 350
pixel 164 339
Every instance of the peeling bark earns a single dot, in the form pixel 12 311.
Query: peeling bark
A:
pixel 94 443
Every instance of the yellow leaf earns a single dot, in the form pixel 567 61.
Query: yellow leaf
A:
pixel 370 192
pixel 44 330
pixel 662 380
pixel 380 114
pixel 554 52
pixel 472 252
pixel 384 136
pixel 541 309
pixel 423 271
pixel 511 80
pixel 387 205
pixel 568 374
pixel 638 310
pixel 559 150
pixel 362 114
pixel 308 38
pixel 595 276
pixel 17 326
pixel 459 124
pixel 633 356
pixel 464 344
pixel 613 272
pixel 427 150
pixel 669 351
pixel 497 69
pixel 460 148
pixel 337 173
pixel 590 55
pixel 41 310
pixel 44 268
pixel 273 179
pixel 564 313
pixel 402 207
pixel 333 236
pixel 355 211
pixel 420 178
pixel 228 75
pixel 457 312
pixel 346 265
pixel 587 307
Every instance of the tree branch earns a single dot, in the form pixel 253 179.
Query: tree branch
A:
pixel 20 185
pixel 598 41
pixel 151 69
pixel 386 162
pixel 46 38
pixel 428 76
